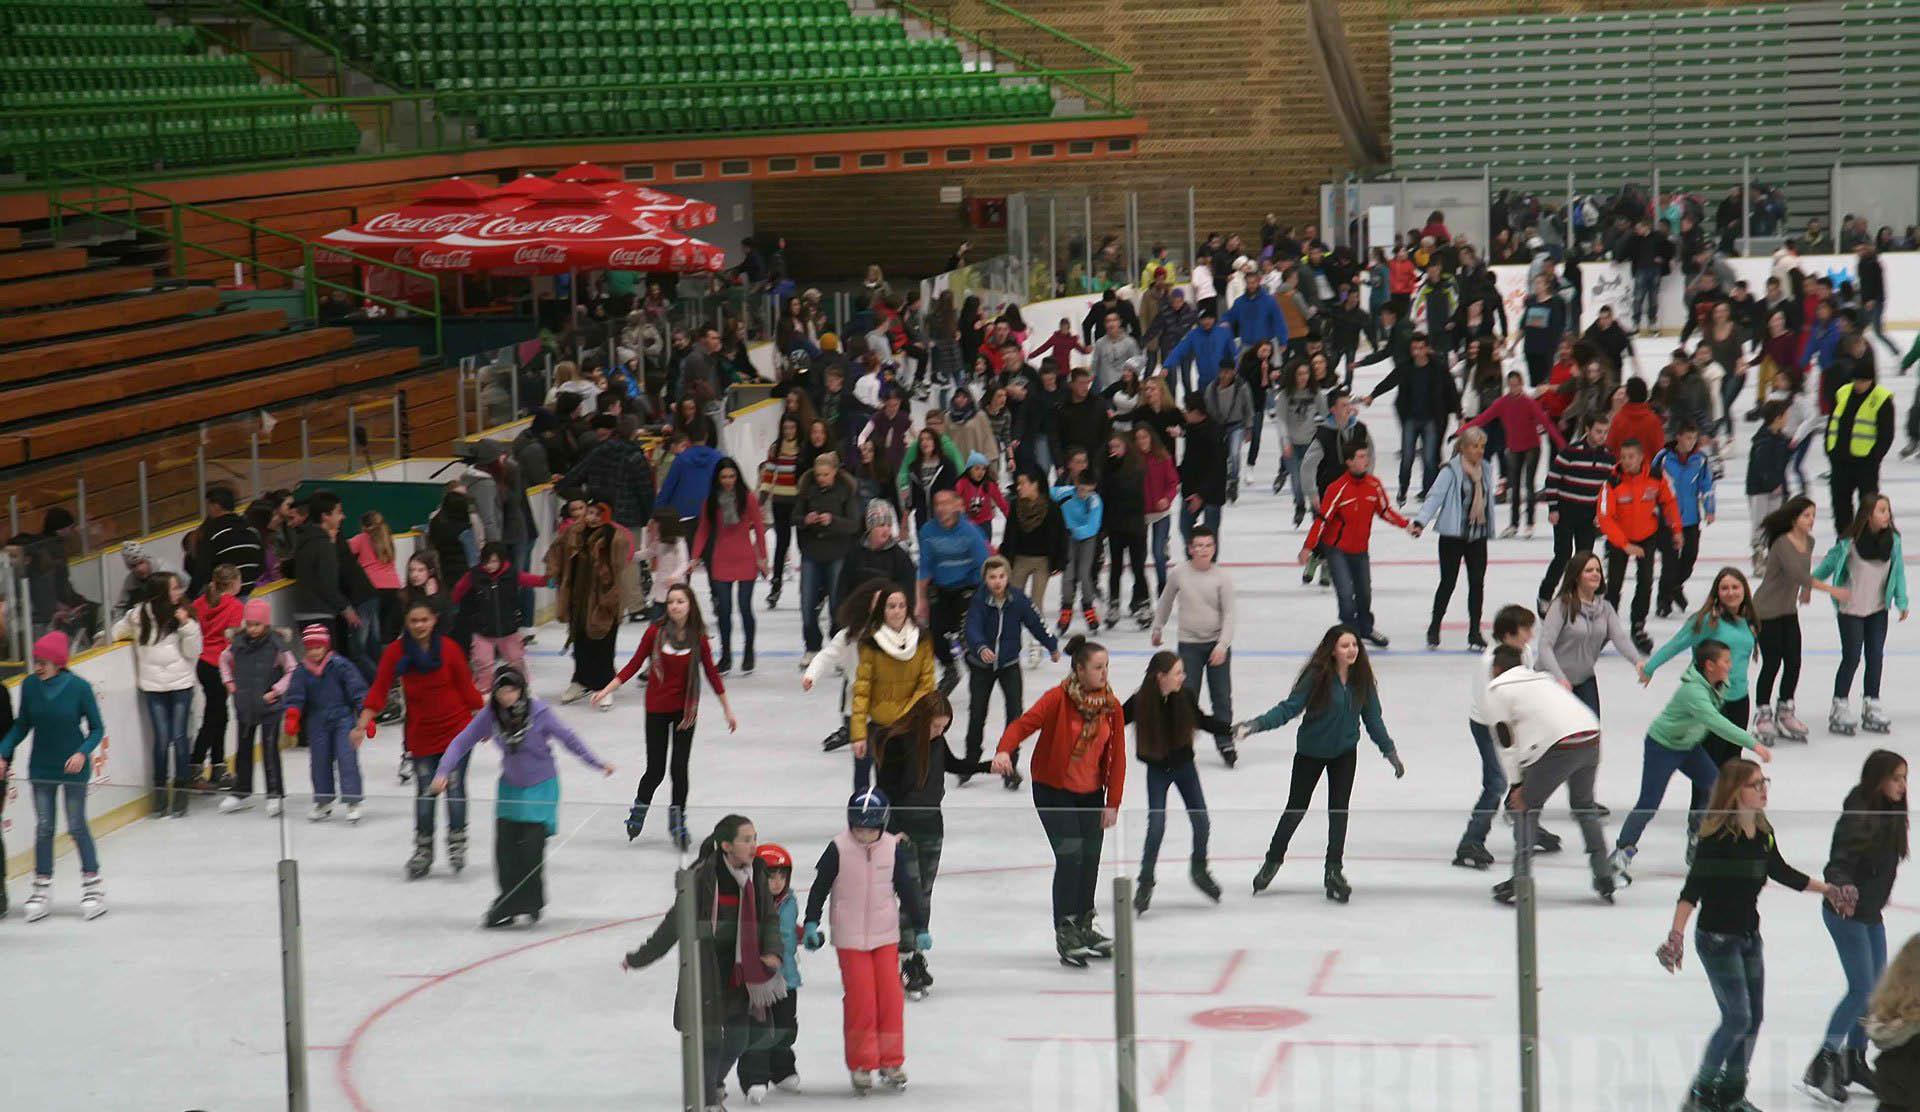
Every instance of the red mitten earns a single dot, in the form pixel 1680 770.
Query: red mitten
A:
pixel 371 729
pixel 292 723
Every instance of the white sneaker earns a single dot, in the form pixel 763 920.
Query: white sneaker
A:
pixel 758 1094
pixel 320 813
pixel 40 904
pixel 788 1084
pixel 573 694
pixel 93 897
pixel 234 803
pixel 274 807
pixel 353 812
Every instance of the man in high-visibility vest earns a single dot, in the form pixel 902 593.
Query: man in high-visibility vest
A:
pixel 1859 432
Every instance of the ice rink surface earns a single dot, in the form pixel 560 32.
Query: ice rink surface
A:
pixel 1403 1000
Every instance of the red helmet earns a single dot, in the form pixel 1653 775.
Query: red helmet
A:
pixel 774 856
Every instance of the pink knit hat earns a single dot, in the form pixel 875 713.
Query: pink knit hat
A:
pixel 52 648
pixel 257 610
pixel 316 634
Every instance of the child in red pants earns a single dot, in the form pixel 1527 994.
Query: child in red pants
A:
pixel 870 875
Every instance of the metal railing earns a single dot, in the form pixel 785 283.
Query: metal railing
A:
pixel 103 194
pixel 1102 63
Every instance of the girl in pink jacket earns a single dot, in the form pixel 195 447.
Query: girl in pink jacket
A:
pixel 869 873
pixel 980 495
pixel 731 543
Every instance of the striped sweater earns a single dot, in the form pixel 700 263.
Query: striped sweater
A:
pixel 780 474
pixel 1576 475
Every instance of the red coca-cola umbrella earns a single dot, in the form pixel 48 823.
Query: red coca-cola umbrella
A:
pixel 451 206
pixel 565 228
pixel 639 202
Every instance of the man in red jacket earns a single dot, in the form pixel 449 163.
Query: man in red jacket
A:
pixel 1342 530
pixel 1633 505
pixel 1637 421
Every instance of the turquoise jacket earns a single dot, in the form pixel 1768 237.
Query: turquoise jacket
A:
pixel 1734 635
pixel 53 712
pixel 1694 712
pixel 1833 570
pixel 789 909
pixel 1332 730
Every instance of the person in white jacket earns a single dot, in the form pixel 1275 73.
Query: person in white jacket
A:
pixel 166 648
pixel 1547 737
pixel 841 657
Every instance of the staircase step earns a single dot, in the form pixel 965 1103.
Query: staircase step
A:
pixel 47 398
pixel 9 239
pixel 118 347
pixel 37 292
pixel 36 264
pixel 161 305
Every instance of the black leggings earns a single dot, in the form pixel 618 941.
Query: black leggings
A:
pixel 211 741
pixel 1306 777
pixel 1737 711
pixel 1134 547
pixel 925 831
pixel 980 684
pixel 1072 822
pixel 782 536
pixel 1520 469
pixel 1453 550
pixel 1779 655
pixel 1576 530
pixel 663 727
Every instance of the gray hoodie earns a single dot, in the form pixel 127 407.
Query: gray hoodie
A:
pixel 1569 648
pixel 1303 410
pixel 1230 407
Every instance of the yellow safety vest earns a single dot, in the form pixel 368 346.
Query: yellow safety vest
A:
pixel 1866 423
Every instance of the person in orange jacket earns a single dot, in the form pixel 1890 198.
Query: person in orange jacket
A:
pixel 1079 770
pixel 1343 530
pixel 1633 506
pixel 1637 421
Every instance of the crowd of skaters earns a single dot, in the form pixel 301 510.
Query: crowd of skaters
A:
pixel 936 466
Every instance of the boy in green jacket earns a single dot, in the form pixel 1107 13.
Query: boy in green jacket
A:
pixel 54 703
pixel 1673 745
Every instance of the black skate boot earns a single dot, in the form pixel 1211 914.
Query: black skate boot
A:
pixel 1472 855
pixel 1269 869
pixel 1641 641
pixel 1142 895
pixel 1067 942
pixel 636 821
pixel 1826 1077
pixel 422 860
pixel 838 739
pixel 182 792
pixel 724 665
pixel 1503 893
pixel 1476 640
pixel 1338 890
pixel 1100 945
pixel 746 661
pixel 913 977
pixel 773 594
pixel 1229 751
pixel 1433 634
pixel 677 828
pixel 457 849
pixel 1704 1096
pixel 1859 1075
pixel 1203 880
pixel 1603 882
pixel 1545 841
pixel 1012 780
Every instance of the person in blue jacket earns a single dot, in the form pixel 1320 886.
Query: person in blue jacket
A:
pixel 1689 472
pixel 690 478
pixel 993 648
pixel 1256 317
pixel 952 549
pixel 768 1060
pixel 1084 512
pixel 1207 345
pixel 59 709
pixel 1869 561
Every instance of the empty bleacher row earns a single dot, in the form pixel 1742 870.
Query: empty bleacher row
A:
pixel 1699 95
pixel 670 67
pixel 101 82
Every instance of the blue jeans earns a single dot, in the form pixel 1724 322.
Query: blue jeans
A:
pixel 1352 586
pixel 1423 435
pixel 1290 470
pixel 819 582
pixel 1186 777
pixel 1219 677
pixel 44 794
pixel 1209 516
pixel 1646 293
pixel 1157 536
pixel 1863 955
pixel 1858 635
pixel 1236 439
pixel 723 599
pixel 329 750
pixel 424 771
pixel 1493 784
pixel 167 713
pixel 1656 768
pixel 1738 974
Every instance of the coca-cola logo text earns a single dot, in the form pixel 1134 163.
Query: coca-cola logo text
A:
pixel 545 253
pixel 441 224
pixel 516 227
pixel 627 256
pixel 446 260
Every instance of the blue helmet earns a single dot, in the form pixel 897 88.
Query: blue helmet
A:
pixel 868 809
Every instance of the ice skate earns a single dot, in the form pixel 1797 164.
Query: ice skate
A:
pixel 1510 532
pixel 1092 617
pixel 1859 1075
pixel 405 772
pixel 1034 656
pixel 1825 1080
pixel 1621 862
pixel 40 903
pixel 1203 880
pixel 1375 638
pixel 913 977
pixel 1840 719
pixel 1787 722
pixel 1433 636
pixel 1269 869
pixel 758 1094
pixel 950 675
pixel 1476 640
pixel 274 806
pixel 677 828
pixel 838 739
pixel 773 594
pixel 1641 641
pixel 93 897
pixel 1012 780
pixel 421 863
pixel 573 694
pixel 1527 533
pixel 1229 752
pixel 863 1082
pixel 1338 890
pixel 893 1077
pixel 746 662
pixel 1099 944
pixel 1603 885
pixel 1067 942
pixel 806 658
pixel 234 803
pixel 1142 895
pixel 353 813
pixel 788 1084
pixel 457 850
pixel 1503 893
pixel 1873 719
pixel 636 821
pixel 1545 842
pixel 321 812
pixel 724 665
pixel 1472 855
pixel 1703 1097
pixel 1142 616
pixel 1763 727
pixel 181 794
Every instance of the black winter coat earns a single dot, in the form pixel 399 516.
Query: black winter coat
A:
pixel 1867 844
pixel 1123 493
pixel 1203 467
pixel 718 936
pixel 891 563
pixel 1049 541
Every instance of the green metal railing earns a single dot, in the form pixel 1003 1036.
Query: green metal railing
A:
pixel 104 196
pixel 440 121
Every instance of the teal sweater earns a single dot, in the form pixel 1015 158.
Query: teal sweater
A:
pixel 1833 570
pixel 1735 635
pixel 53 711
pixel 1332 730
pixel 1694 712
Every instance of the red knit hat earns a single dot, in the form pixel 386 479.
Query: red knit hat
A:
pixel 53 648
pixel 316 634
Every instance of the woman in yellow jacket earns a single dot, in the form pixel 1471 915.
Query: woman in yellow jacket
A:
pixel 895 670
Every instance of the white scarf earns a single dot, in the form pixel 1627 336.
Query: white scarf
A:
pixel 898 644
